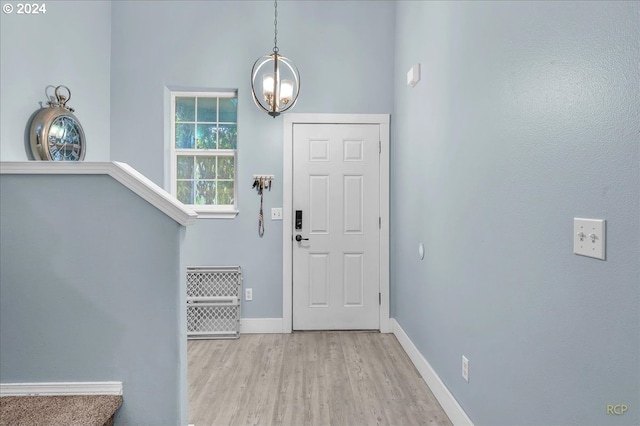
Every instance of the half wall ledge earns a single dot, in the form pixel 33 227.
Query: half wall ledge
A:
pixel 122 172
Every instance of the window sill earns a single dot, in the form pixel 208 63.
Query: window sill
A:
pixel 208 214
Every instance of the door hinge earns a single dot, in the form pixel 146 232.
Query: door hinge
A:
pixel 379 222
pixel 379 298
pixel 379 147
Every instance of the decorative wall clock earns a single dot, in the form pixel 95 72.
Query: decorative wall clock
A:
pixel 56 134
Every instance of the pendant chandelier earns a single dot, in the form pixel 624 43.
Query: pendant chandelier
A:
pixel 280 79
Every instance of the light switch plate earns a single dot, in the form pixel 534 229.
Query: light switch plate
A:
pixel 589 237
pixel 276 214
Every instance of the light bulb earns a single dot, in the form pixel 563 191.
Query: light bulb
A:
pixel 286 91
pixel 268 86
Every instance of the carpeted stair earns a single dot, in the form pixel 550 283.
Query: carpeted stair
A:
pixel 80 410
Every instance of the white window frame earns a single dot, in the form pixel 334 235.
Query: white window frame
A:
pixel 204 211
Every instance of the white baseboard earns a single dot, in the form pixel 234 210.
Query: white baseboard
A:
pixel 260 325
pixel 274 326
pixel 61 388
pixel 454 411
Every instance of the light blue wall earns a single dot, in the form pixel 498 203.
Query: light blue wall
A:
pixel 343 50
pixel 527 116
pixel 90 291
pixel 522 106
pixel 71 45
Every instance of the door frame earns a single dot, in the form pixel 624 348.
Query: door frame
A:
pixel 290 119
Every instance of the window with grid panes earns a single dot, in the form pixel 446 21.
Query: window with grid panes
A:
pixel 204 140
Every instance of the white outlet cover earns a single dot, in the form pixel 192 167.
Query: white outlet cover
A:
pixel 465 368
pixel 589 237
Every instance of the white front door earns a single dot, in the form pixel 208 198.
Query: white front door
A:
pixel 336 190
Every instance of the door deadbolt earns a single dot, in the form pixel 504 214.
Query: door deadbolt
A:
pixel 298 219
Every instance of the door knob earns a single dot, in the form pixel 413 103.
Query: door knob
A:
pixel 299 238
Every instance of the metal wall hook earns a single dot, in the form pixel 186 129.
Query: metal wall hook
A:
pixel 262 182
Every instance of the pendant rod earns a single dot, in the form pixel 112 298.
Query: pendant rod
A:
pixel 275 27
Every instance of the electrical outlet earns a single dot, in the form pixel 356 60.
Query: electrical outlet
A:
pixel 465 368
pixel 248 294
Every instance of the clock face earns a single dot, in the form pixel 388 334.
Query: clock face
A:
pixel 56 135
pixel 64 140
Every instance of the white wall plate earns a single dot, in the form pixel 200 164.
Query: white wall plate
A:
pixel 589 237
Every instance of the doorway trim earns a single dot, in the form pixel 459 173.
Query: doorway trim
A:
pixel 287 204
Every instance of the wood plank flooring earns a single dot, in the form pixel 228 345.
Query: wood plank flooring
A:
pixel 307 378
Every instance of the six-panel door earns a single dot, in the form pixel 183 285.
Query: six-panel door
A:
pixel 336 178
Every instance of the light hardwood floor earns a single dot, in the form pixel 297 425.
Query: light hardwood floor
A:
pixel 307 378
